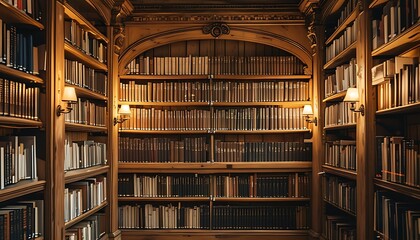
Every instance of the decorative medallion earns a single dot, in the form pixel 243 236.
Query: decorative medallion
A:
pixel 216 29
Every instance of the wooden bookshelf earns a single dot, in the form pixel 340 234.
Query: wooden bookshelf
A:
pixel 164 77
pixel 80 174
pixel 343 26
pixel 84 127
pixel 163 199
pixel 406 109
pixel 19 75
pixel 15 122
pixel 376 3
pixel 342 57
pixel 292 104
pixel 400 43
pixel 343 126
pixel 86 214
pixel 336 97
pixel 349 174
pixel 21 188
pixel 261 199
pixel 294 166
pixel 75 54
pixel 188 132
pixel 86 93
pixel 261 77
pixel 14 15
pixel 261 131
pixel 167 104
pixel 350 213
pixel 410 191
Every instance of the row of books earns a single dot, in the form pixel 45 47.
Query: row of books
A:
pixel 230 65
pixel 31 7
pixel 395 18
pixel 256 185
pixel 341 153
pixel 87 112
pixel 19 100
pixel 18 159
pixel 92 228
pixel 166 91
pixel 337 46
pixel 402 87
pixel 339 228
pixel 82 196
pixel 339 114
pixel 22 220
pixel 346 10
pixel 343 78
pixel 185 185
pixel 397 160
pixel 267 91
pixel 167 119
pixel 259 118
pixel 260 217
pixel 76 73
pixel 83 154
pixel 339 192
pixel 395 218
pixel 218 91
pixel 168 216
pixel 226 151
pixel 83 39
pixel 17 49
pixel 163 150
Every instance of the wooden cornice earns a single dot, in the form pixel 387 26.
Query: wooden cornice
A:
pixel 308 6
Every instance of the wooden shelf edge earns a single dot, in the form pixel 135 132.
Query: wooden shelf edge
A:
pixel 163 232
pixel 167 104
pixel 398 188
pixel 86 214
pixel 216 199
pixel 164 199
pixel 335 97
pixel 10 12
pixel 376 3
pixel 350 174
pixel 335 127
pixel 19 75
pixel 84 92
pixel 84 127
pixel 85 59
pixel 399 109
pixel 73 14
pixel 186 132
pixel 21 188
pixel 215 167
pixel 345 23
pixel 409 37
pixel 261 131
pixel 262 199
pixel 19 122
pixel 80 174
pixel 340 208
pixel 216 77
pixel 337 60
pixel 217 104
pixel 164 77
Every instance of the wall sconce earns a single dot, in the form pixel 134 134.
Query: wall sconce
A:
pixel 69 97
pixel 307 110
pixel 124 112
pixel 352 96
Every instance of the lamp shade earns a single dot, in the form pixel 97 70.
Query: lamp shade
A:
pixel 69 95
pixel 307 110
pixel 124 110
pixel 352 95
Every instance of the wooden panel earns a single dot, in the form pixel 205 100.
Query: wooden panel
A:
pixel 193 48
pixel 219 46
pixel 178 49
pixel 241 48
pixel 206 48
pixel 162 51
pixel 250 49
pixel 232 48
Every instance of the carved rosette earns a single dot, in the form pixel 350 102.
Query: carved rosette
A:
pixel 119 36
pixel 216 29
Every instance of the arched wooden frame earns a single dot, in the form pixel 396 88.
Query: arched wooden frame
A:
pixel 195 33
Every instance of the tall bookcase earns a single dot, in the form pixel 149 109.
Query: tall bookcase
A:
pixel 22 158
pixel 216 138
pixel 395 77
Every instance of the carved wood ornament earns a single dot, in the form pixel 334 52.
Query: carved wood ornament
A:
pixel 216 29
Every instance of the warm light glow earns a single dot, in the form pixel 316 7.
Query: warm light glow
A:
pixel 69 95
pixel 307 110
pixel 124 110
pixel 352 95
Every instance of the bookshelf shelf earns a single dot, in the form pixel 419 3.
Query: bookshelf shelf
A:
pixel 297 166
pixel 14 122
pixel 84 127
pixel 188 132
pixel 291 104
pixel 19 75
pixel 84 92
pixel 376 3
pixel 342 57
pixel 261 199
pixel 167 104
pixel 261 131
pixel 164 77
pixel 410 38
pixel 343 26
pixel 336 97
pixel 14 15
pixel 350 174
pixel 336 6
pixel 410 108
pixel 75 54
pixel 261 77
pixel 80 174
pixel 164 199
pixel 21 188
pixel 86 214
pixel 338 127
pixel 73 14
pixel 410 191
pixel 350 213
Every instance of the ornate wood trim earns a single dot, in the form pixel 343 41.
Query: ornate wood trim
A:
pixel 216 29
